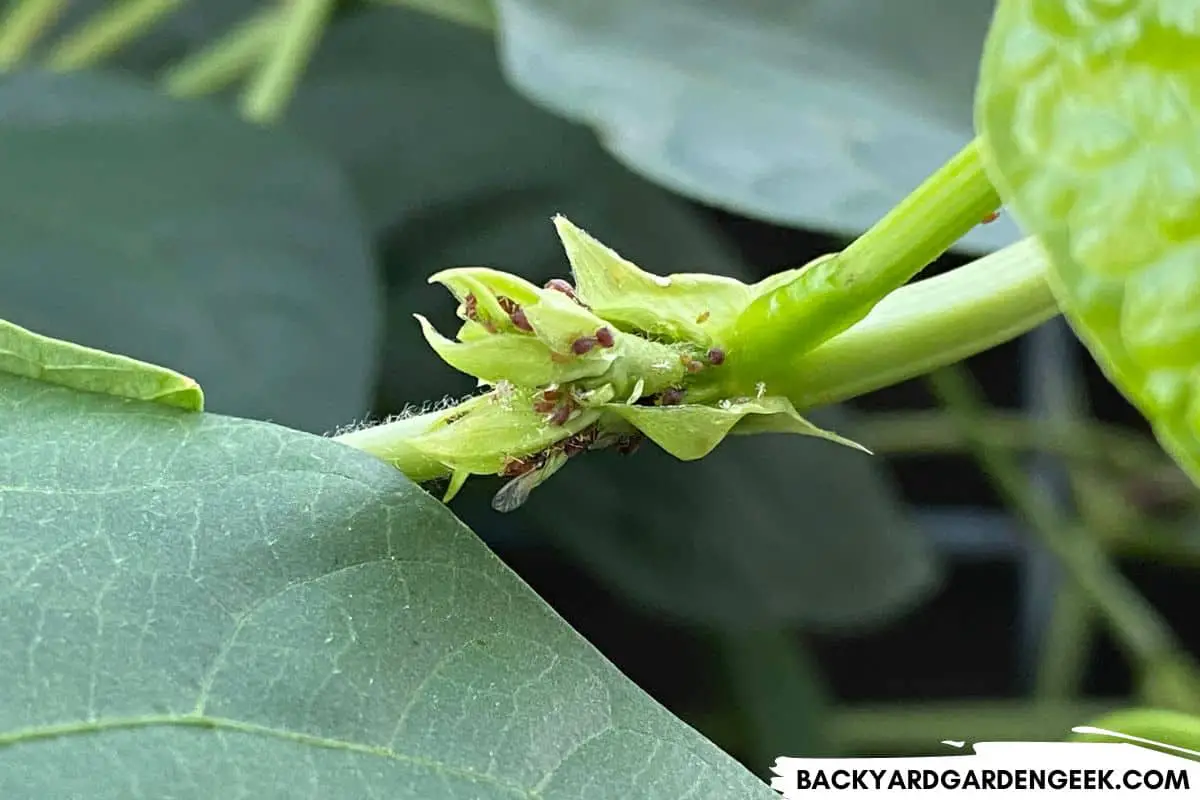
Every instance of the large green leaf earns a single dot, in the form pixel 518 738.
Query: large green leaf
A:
pixel 1091 113
pixel 459 170
pixel 196 606
pixel 821 114
pixel 177 234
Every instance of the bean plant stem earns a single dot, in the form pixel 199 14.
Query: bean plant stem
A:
pixel 106 31
pixel 923 326
pixel 839 292
pixel 916 329
pixel 224 61
pixel 1143 634
pixel 902 433
pixel 922 227
pixel 23 25
pixel 268 94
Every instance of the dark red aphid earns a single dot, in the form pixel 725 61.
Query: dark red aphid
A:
pixel 560 415
pixel 559 285
pixel 628 445
pixel 515 467
pixel 583 344
pixel 716 356
pixel 604 337
pixel 515 313
pixel 548 401
pixel 670 397
pixel 574 445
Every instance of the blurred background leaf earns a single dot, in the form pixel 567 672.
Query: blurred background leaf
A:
pixel 175 233
pixel 688 93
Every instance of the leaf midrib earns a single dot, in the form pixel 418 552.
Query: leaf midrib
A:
pixel 86 727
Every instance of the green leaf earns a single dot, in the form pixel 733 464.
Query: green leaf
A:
pixel 32 355
pixel 689 432
pixel 679 306
pixel 1093 144
pixel 1157 725
pixel 195 602
pixel 819 114
pixel 457 169
pixel 174 233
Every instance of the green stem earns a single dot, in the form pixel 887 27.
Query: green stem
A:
pixel 267 96
pixel 389 442
pixel 918 328
pixel 106 31
pixel 473 13
pixel 923 326
pixel 926 224
pixel 23 25
pixel 1144 635
pixel 904 728
pixel 903 433
pixel 224 61
pixel 828 297
pixel 1066 649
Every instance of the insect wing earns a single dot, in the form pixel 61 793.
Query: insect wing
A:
pixel 513 494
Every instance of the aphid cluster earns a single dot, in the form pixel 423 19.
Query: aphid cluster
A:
pixel 559 404
pixel 559 285
pixel 532 471
pixel 585 344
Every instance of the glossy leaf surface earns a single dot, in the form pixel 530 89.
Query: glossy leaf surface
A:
pixel 1091 111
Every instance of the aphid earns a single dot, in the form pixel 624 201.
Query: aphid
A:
pixel 515 313
pixel 604 337
pixel 692 364
pixel 559 285
pixel 992 216
pixel 576 444
pixel 513 494
pixel 560 415
pixel 670 397
pixel 627 445
pixel 583 344
pixel 514 467
pixel 716 356
pixel 703 318
pixel 548 401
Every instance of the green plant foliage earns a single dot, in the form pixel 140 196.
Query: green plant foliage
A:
pixel 272 613
pixel 453 168
pixel 1089 111
pixel 178 234
pixel 32 355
